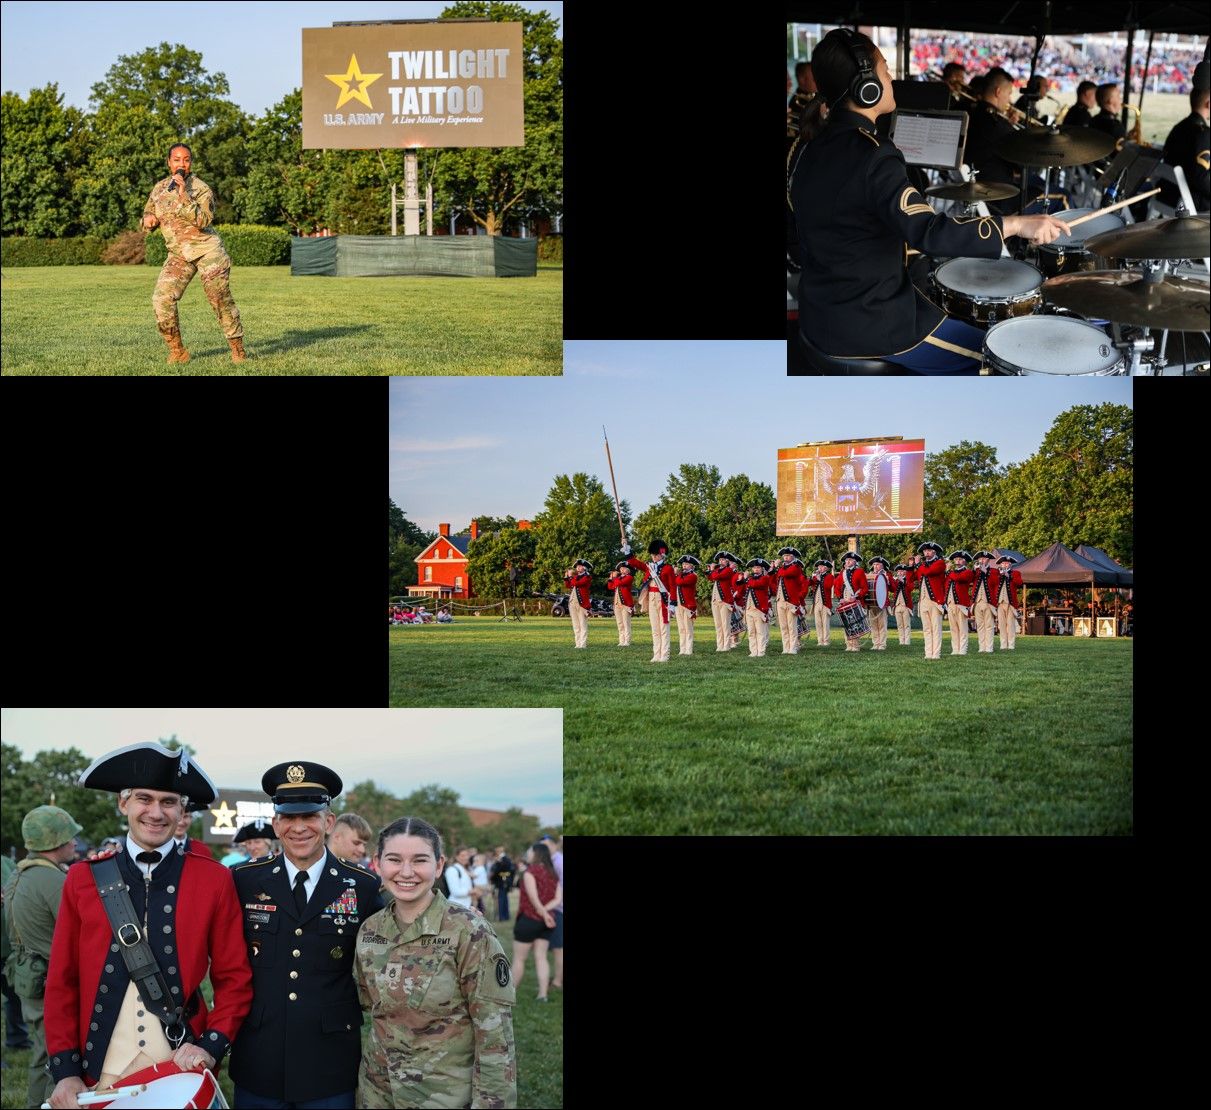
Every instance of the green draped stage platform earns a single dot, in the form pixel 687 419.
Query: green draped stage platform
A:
pixel 440 255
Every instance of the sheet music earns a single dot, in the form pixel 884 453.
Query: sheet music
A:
pixel 927 140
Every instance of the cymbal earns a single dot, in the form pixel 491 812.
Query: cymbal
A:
pixel 1179 237
pixel 972 191
pixel 1124 297
pixel 1044 147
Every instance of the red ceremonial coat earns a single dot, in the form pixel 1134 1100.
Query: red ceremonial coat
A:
pixel 825 582
pixel 931 576
pixel 959 586
pixel 897 588
pixel 723 578
pixel 621 583
pixel 666 576
pixel 857 582
pixel 1014 579
pixel 739 590
pixel 205 930
pixel 197 848
pixel 582 584
pixel 759 590
pixel 986 583
pixel 792 584
pixel 687 590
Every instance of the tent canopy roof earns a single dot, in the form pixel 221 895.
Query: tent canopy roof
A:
pixel 1061 566
pixel 1096 555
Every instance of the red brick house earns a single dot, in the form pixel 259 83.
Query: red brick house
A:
pixel 441 569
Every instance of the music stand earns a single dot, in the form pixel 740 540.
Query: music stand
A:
pixel 1133 164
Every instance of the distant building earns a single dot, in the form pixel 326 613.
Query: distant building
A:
pixel 441 569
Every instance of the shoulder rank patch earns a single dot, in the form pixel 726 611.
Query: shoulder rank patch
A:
pixel 1202 159
pixel 908 209
pixel 502 971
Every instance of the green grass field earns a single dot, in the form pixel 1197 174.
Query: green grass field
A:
pixel 537 1029
pixel 98 320
pixel 1034 742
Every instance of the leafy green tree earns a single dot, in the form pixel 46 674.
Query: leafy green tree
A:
pixel 493 553
pixel 515 830
pixel 439 805
pixel 45 146
pixel 399 526
pixel 578 520
pixel 741 518
pixel 377 806
pixel 401 565
pixel 960 484
pixel 490 184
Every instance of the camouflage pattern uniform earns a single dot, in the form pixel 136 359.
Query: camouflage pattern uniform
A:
pixel 193 247
pixel 440 995
pixel 32 899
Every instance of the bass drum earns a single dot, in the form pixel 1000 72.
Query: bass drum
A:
pixel 1057 345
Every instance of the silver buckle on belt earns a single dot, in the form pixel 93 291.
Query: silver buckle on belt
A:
pixel 122 937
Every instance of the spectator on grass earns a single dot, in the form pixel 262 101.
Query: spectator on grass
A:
pixel 535 925
pixel 557 937
pixel 502 873
pixel 443 616
pixel 458 878
pixel 479 877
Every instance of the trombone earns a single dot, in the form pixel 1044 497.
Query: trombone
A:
pixel 1011 115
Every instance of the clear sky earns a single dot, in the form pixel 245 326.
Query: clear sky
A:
pixel 465 447
pixel 258 46
pixel 493 758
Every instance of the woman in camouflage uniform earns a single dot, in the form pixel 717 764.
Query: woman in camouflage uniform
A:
pixel 438 987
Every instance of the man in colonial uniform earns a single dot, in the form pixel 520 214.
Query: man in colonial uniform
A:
pixel 579 583
pixel 901 601
pixel 757 589
pixel 301 912
pixel 659 595
pixel 931 576
pixel 851 582
pixel 820 590
pixel 619 582
pixel 880 568
pixel 123 986
pixel 1009 588
pixel 792 589
pixel 687 603
pixel 984 599
pixel 958 600
pixel 721 572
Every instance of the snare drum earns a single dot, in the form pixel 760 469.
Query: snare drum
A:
pixel 163 1085
pixel 1050 345
pixel 1067 254
pixel 853 617
pixel 985 290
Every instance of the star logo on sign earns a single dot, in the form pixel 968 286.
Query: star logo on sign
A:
pixel 353 76
pixel 224 818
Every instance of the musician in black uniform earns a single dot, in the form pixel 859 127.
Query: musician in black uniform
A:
pixel 1081 113
pixel 302 1040
pixel 1036 90
pixel 857 214
pixel 985 133
pixel 1186 146
pixel 955 77
pixel 1109 119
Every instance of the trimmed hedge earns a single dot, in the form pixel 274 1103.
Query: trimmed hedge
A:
pixel 17 250
pixel 248 245
pixel 550 248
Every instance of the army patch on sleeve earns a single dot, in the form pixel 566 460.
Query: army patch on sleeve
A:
pixel 502 971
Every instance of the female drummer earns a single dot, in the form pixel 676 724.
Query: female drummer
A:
pixel 857 213
pixel 438 987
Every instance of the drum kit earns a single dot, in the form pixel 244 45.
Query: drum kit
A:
pixel 1067 311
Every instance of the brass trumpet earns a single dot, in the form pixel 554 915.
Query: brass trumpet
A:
pixel 1010 115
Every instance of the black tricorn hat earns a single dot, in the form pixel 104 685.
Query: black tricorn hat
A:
pixel 720 554
pixel 985 555
pixel 822 562
pixel 757 562
pixel 260 829
pixel 1007 559
pixel 901 566
pixel 791 551
pixel 657 546
pixel 301 787
pixel 583 563
pixel 878 559
pixel 851 555
pixel 690 559
pixel 622 564
pixel 960 554
pixel 937 547
pixel 152 766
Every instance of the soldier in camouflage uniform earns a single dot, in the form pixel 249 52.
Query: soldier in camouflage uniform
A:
pixel 32 899
pixel 182 206
pixel 438 987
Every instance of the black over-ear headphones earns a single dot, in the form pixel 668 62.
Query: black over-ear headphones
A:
pixel 865 89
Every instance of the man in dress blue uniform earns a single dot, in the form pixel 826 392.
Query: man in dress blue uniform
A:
pixel 856 213
pixel 302 909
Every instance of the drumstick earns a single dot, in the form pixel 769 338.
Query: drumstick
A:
pixel 1121 204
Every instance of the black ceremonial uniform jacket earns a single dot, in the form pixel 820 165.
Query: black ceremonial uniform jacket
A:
pixel 1077 116
pixel 1186 146
pixel 984 135
pixel 302 1039
pixel 856 210
pixel 1110 124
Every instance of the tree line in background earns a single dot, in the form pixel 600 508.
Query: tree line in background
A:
pixel 66 172
pixel 49 778
pixel 1076 488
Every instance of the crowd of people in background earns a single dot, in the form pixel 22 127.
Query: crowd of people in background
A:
pixel 407 614
pixel 1061 59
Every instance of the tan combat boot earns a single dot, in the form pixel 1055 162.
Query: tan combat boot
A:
pixel 237 350
pixel 176 349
